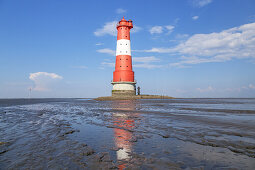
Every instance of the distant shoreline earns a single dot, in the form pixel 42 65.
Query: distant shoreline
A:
pixel 93 98
pixel 133 97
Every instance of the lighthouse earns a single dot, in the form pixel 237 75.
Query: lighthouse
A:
pixel 123 76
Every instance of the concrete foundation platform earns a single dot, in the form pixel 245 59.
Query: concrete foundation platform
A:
pixel 123 89
pixel 123 92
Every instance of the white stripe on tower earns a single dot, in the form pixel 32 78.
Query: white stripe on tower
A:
pixel 123 47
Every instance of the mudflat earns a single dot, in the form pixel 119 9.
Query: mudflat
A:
pixel 117 134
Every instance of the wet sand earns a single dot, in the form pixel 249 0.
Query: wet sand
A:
pixel 142 134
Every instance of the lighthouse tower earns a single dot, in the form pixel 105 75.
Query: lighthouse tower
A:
pixel 123 76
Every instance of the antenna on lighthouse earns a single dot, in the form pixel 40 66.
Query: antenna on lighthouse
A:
pixel 29 93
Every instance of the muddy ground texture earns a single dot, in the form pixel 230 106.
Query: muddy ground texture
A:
pixel 142 134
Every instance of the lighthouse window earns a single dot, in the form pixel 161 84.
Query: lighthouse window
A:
pixel 127 66
pixel 120 51
pixel 120 58
pixel 126 51
pixel 126 44
pixel 120 66
pixel 126 59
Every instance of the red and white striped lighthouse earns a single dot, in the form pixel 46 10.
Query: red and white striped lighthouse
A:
pixel 123 76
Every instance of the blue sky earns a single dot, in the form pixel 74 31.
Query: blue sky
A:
pixel 180 48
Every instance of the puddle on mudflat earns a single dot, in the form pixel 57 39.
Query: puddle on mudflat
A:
pixel 162 134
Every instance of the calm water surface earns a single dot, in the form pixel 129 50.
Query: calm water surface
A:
pixel 143 134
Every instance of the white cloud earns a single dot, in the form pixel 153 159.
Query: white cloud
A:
pixel 170 29
pixel 240 89
pixel 251 18
pixel 160 29
pixel 120 11
pixel 135 29
pixel 34 76
pixel 108 28
pixel 99 44
pixel 43 80
pixel 145 59
pixel 147 65
pixel 146 62
pixel 195 17
pixel 208 89
pixel 181 36
pixel 156 50
pixel 156 30
pixel 201 3
pixel 108 64
pixel 107 51
pixel 237 42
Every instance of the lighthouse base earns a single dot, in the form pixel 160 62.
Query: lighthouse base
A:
pixel 123 89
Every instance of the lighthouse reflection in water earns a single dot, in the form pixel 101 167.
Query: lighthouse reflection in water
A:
pixel 123 136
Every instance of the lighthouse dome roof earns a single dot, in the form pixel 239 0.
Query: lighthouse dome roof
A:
pixel 123 19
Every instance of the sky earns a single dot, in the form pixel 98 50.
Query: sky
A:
pixel 180 48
